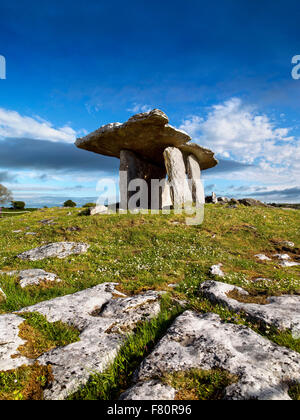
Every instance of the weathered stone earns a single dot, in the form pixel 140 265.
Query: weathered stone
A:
pixel 132 167
pixel 223 200
pixel 146 134
pixel 250 202
pixel 289 264
pixel 282 312
pixel 262 257
pixel 194 174
pixel 211 199
pixel 103 319
pixel 149 390
pixel 60 250
pixel 10 342
pixel 99 209
pixel 32 277
pixel 215 270
pixel 283 257
pixel 205 157
pixel 205 342
pixel 180 192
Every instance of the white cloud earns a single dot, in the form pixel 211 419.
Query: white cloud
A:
pixel 236 131
pixel 14 125
pixel 136 108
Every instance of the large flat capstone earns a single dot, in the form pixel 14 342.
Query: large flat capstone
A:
pixel 103 316
pixel 148 135
pixel 263 369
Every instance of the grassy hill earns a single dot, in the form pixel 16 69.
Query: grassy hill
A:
pixel 154 252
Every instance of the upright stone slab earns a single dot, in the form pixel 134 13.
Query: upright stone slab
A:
pixel 177 176
pixel 194 175
pixel 132 167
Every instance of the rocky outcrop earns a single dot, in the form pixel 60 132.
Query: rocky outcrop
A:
pixel 60 250
pixel 103 316
pixel 206 342
pixel 281 312
pixel 251 202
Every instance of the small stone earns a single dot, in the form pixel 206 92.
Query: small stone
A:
pixel 262 257
pixel 289 264
pixel 282 256
pixel 98 210
pixel 32 277
pixel 215 270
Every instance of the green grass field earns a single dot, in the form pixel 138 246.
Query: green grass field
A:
pixel 150 252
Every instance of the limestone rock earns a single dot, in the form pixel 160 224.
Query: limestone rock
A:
pixel 32 277
pixel 216 270
pixel 205 342
pixel 250 202
pixel 176 171
pixel 194 174
pixel 289 264
pixel 148 135
pixel 10 342
pixel 60 250
pixel 103 319
pixel 149 390
pixel 282 312
pixel 99 209
pixel 262 257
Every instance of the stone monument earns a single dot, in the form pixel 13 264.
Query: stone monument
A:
pixel 149 149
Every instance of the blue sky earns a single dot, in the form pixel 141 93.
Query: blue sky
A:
pixel 221 71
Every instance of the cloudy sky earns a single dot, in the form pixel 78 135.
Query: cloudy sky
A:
pixel 221 70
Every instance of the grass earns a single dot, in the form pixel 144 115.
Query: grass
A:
pixel 150 252
pixel 25 383
pixel 197 384
pixel 42 336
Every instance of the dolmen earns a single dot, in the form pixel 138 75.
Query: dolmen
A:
pixel 150 149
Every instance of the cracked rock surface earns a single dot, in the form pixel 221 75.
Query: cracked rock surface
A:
pixel 32 277
pixel 59 250
pixel 150 390
pixel 102 320
pixel 10 342
pixel 282 312
pixel 206 342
